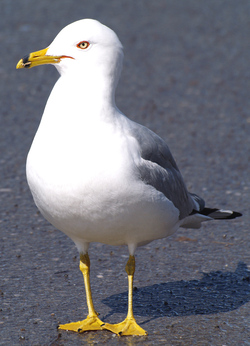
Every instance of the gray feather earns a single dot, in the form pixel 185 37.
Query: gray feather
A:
pixel 159 169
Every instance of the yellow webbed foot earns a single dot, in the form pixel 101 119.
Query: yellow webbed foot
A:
pixel 90 323
pixel 127 327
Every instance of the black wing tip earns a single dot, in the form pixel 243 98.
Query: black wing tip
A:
pixel 220 214
pixel 234 215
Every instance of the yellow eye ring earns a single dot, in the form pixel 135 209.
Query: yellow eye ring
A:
pixel 83 44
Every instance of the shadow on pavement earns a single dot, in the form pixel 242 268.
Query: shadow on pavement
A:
pixel 215 292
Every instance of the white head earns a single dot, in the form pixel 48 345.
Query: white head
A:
pixel 85 48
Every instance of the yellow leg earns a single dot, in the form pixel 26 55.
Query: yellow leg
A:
pixel 129 325
pixel 92 322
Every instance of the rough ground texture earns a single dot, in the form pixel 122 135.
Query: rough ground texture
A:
pixel 186 76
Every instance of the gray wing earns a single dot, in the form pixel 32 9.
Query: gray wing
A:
pixel 159 170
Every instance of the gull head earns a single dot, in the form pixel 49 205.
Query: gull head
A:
pixel 85 47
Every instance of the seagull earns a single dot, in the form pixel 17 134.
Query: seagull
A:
pixel 96 175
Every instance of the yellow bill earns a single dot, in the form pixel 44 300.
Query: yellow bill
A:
pixel 39 58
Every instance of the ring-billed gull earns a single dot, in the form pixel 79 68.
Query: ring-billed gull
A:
pixel 96 175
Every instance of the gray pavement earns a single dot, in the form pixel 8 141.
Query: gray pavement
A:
pixel 186 76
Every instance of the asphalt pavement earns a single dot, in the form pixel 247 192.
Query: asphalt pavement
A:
pixel 186 76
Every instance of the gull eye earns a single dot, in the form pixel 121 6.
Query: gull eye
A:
pixel 83 44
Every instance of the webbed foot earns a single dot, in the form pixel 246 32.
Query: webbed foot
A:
pixel 90 323
pixel 127 327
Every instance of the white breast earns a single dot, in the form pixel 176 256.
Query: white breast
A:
pixel 83 177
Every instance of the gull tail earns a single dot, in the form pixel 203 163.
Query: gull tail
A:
pixel 201 213
pixel 195 219
pixel 219 214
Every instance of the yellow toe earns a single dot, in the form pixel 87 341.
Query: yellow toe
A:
pixel 90 323
pixel 127 327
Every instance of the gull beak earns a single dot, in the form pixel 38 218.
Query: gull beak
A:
pixel 39 58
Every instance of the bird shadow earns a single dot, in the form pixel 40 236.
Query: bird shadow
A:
pixel 215 292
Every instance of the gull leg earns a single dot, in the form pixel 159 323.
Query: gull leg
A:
pixel 92 322
pixel 129 325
